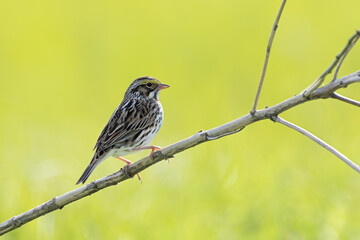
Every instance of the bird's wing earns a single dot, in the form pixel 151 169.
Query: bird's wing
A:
pixel 128 120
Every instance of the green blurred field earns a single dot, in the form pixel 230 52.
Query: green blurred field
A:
pixel 64 66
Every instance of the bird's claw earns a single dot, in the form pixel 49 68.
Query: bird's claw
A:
pixel 155 149
pixel 127 166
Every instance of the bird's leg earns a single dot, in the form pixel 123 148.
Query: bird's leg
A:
pixel 153 149
pixel 129 162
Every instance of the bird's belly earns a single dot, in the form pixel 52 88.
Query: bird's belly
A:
pixel 123 151
pixel 118 152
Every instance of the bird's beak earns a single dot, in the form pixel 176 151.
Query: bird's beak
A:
pixel 162 86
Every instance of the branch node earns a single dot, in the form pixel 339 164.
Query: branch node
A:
pixel 205 135
pixel 209 138
pixel 274 118
pixel 126 172
pixel 306 95
pixel 94 185
pixel 53 202
pixel 15 222
pixel 159 153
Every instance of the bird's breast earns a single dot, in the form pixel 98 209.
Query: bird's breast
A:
pixel 151 132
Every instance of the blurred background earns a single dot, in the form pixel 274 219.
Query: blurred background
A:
pixel 65 65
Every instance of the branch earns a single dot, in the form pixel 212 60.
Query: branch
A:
pixel 268 49
pixel 319 141
pixel 345 99
pixel 344 52
pixel 200 137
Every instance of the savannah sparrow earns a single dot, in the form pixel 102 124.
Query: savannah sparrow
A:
pixel 132 126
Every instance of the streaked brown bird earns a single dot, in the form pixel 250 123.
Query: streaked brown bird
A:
pixel 132 126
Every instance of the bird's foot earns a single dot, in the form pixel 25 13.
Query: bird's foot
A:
pixel 129 162
pixel 153 149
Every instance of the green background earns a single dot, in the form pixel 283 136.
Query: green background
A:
pixel 65 65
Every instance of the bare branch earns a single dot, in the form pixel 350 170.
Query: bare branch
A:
pixel 268 49
pixel 345 99
pixel 345 54
pixel 200 137
pixel 319 141
pixel 321 79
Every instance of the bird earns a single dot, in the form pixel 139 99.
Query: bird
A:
pixel 132 126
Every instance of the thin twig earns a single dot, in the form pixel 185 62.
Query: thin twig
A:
pixel 345 54
pixel 319 141
pixel 268 49
pixel 321 79
pixel 345 99
pixel 200 137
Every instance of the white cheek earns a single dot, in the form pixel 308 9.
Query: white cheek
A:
pixel 154 94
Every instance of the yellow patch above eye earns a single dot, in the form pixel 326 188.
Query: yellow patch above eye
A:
pixel 151 81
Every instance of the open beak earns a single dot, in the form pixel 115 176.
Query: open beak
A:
pixel 162 86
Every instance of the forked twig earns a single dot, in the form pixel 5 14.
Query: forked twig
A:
pixel 345 54
pixel 268 49
pixel 321 79
pixel 319 141
pixel 345 99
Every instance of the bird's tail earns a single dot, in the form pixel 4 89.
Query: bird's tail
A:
pixel 93 164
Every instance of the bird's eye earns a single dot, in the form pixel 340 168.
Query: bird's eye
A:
pixel 149 84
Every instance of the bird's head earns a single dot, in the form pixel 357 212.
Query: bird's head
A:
pixel 148 87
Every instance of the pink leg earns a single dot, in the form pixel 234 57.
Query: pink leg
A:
pixel 129 162
pixel 153 149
